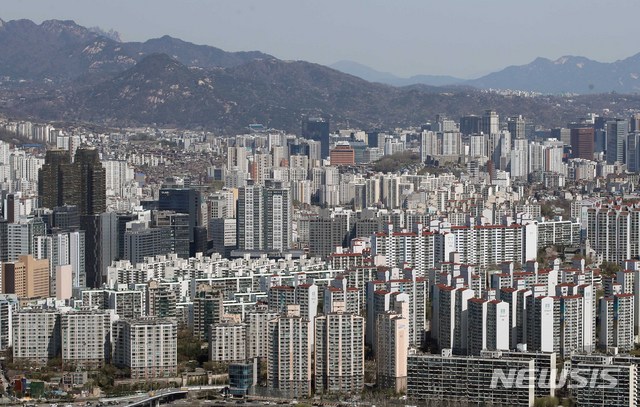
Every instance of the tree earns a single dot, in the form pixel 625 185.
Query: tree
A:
pixel 190 347
pixel 548 401
pixel 609 268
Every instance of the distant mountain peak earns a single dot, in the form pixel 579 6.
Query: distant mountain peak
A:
pixel 111 34
pixel 159 60
pixel 63 25
pixel 372 75
pixel 567 74
pixel 64 50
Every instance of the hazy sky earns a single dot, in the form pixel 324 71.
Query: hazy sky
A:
pixel 464 38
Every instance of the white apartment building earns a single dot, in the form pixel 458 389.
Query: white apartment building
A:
pixel 258 333
pixel 449 325
pixel 86 338
pixel 148 347
pixel 289 362
pixel 448 378
pixel 228 342
pixel 339 353
pixel 488 320
pixel 613 231
pixel 617 322
pixel 8 307
pixel 36 335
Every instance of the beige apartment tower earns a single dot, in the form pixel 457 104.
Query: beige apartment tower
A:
pixel 26 277
pixel 391 349
pixel 289 362
pixel 339 345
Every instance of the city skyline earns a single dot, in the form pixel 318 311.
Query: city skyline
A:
pixel 276 229
pixel 463 39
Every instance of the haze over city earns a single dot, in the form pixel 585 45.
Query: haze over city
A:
pixel 466 39
pixel 207 203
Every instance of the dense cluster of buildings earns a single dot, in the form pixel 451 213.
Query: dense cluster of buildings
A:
pixel 521 251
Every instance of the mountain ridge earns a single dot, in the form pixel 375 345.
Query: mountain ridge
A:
pixel 567 74
pixel 160 91
pixel 169 82
pixel 64 50
pixel 373 75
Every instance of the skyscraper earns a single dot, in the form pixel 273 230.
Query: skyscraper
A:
pixel 84 183
pixel 101 245
pixel 317 128
pixel 616 141
pixel 470 125
pixel 50 178
pixel 516 126
pixel 183 200
pixel 582 140
pixel 490 123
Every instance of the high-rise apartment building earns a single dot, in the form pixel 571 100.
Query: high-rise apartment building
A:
pixel 621 370
pixel 450 317
pixel 228 342
pixel 339 352
pixel 543 323
pixel 277 222
pixel 289 365
pixel 36 335
pixel 264 217
pixel 488 320
pixel 8 307
pixel 86 338
pixel 617 322
pixel 21 236
pixel 258 332
pixel 126 303
pixel 449 378
pixel 391 348
pixel 148 347
pixel 161 300
pixel 612 231
pixel 250 222
pixel 207 310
